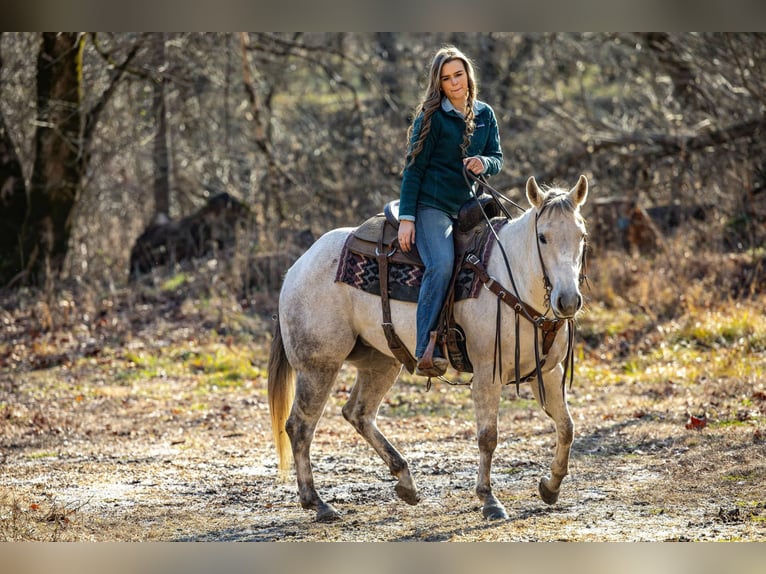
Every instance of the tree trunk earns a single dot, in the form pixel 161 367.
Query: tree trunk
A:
pixel 161 169
pixel 390 76
pixel 13 208
pixel 56 173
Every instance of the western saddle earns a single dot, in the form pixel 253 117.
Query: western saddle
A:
pixel 377 238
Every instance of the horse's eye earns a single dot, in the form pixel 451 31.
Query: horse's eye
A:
pixel 541 238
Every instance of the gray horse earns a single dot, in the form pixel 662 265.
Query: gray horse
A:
pixel 322 324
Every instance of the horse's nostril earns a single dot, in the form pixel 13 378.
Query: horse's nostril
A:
pixel 568 305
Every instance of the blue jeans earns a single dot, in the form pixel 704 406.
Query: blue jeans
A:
pixel 433 237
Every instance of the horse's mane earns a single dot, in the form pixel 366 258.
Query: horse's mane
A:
pixel 559 200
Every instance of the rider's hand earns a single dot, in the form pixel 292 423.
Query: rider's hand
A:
pixel 474 165
pixel 406 235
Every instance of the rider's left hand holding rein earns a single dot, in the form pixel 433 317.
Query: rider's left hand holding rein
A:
pixel 474 164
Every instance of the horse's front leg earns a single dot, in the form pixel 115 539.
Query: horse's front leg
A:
pixel 486 399
pixel 556 408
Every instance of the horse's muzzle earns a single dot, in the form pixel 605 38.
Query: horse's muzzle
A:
pixel 567 306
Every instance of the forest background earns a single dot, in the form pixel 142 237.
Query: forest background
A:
pixel 102 134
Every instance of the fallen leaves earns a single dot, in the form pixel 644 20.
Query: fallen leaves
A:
pixel 696 423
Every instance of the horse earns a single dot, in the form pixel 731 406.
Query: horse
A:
pixel 321 323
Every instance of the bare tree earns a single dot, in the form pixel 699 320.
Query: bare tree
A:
pixel 55 182
pixel 62 149
pixel 13 204
pixel 161 167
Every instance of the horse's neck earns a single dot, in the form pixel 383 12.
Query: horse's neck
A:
pixel 520 245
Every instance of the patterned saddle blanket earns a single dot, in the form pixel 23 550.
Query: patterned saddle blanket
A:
pixel 360 270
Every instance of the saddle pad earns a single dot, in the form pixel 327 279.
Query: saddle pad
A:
pixel 361 272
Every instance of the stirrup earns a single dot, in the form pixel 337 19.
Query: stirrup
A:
pixel 435 367
pixel 428 365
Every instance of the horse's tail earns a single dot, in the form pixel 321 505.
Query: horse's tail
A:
pixel 281 394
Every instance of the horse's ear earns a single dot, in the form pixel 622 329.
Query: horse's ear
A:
pixel 534 195
pixel 579 192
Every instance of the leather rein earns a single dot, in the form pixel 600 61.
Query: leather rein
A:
pixel 546 326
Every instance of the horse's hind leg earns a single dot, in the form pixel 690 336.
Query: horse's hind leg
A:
pixel 312 391
pixel 376 374
pixel 556 408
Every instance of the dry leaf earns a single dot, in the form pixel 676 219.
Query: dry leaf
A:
pixel 697 423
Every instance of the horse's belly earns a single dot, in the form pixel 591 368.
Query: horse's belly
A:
pixel 368 319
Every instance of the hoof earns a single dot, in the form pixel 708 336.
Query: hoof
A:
pixel 326 513
pixel 408 495
pixel 494 512
pixel 548 495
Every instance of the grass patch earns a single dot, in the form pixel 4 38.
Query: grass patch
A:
pixel 742 419
pixel 599 321
pixel 738 477
pixel 215 365
pixel 724 343
pixel 174 282
pixel 141 366
pixel 41 455
pixel 222 366
pixel 731 326
pixel 518 403
pixel 597 373
pixel 440 401
pixel 22 520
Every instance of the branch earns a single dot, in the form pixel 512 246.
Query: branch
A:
pixel 667 145
pixel 124 66
pixel 646 146
pixel 306 51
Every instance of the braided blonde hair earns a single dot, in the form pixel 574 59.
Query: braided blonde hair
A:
pixel 433 97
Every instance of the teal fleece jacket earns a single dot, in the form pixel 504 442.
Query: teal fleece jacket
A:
pixel 435 178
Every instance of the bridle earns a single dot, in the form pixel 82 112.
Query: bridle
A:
pixel 543 324
pixel 472 179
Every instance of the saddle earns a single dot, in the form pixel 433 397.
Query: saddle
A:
pixel 377 238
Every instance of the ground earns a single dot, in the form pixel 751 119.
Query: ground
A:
pixel 151 423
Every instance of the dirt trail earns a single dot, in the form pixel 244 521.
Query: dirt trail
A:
pixel 89 456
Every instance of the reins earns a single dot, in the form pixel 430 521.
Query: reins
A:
pixel 549 327
pixel 481 180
